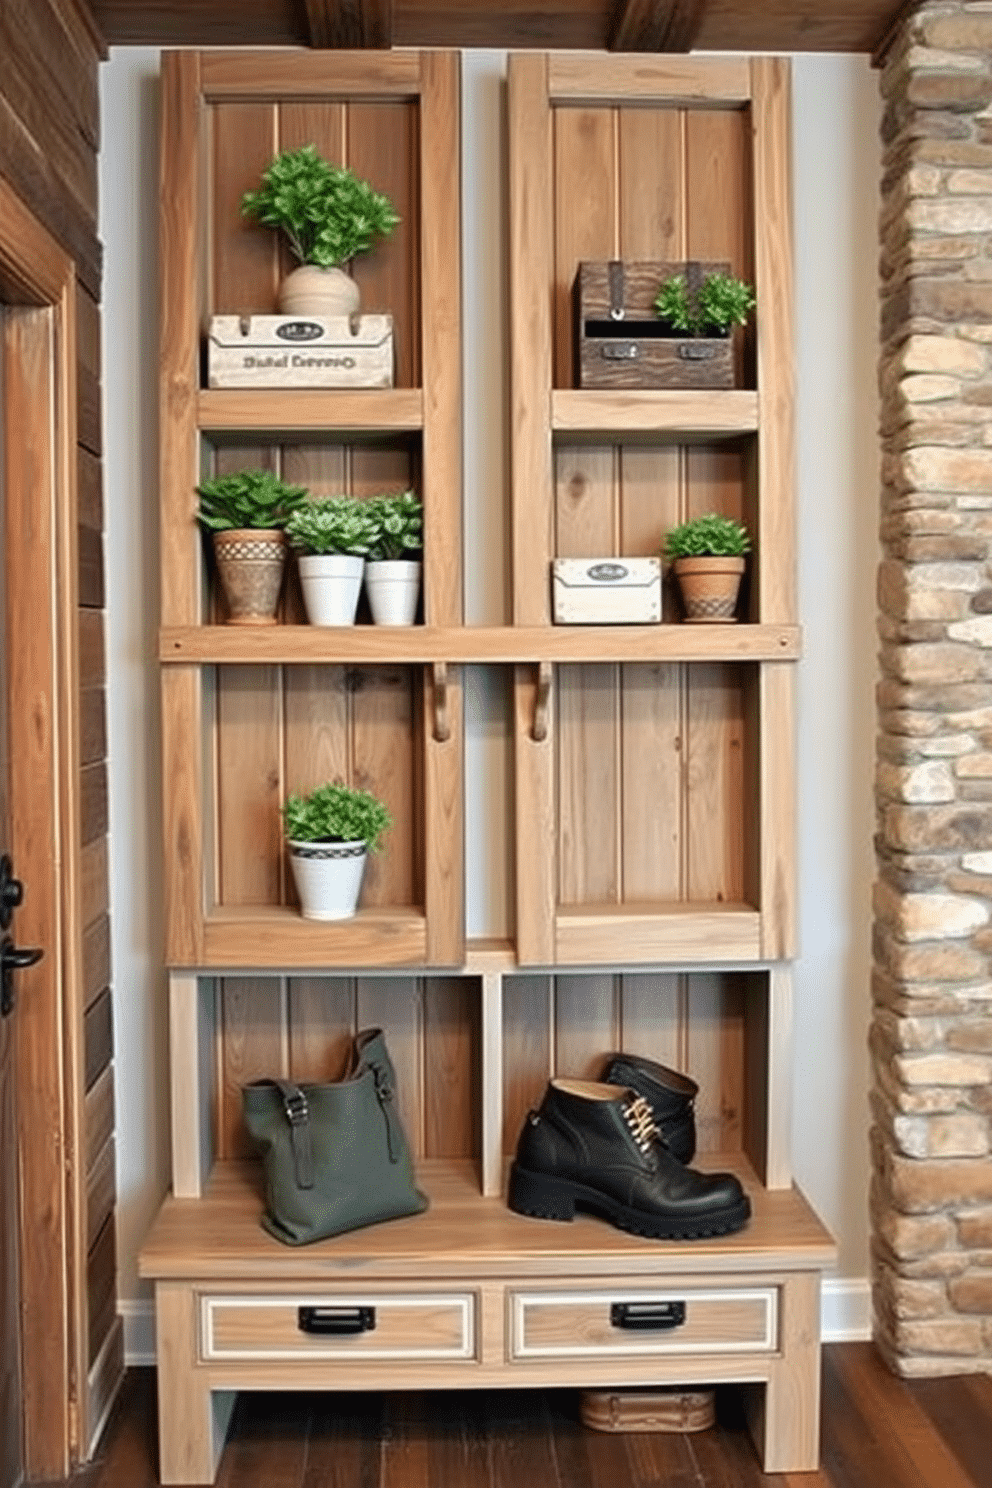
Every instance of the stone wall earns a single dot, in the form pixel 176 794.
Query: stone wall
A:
pixel 931 1031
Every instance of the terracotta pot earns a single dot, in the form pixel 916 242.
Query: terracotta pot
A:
pixel 250 562
pixel 311 290
pixel 709 588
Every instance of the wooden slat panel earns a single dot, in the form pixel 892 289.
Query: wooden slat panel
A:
pixel 92 725
pixel 536 824
pixel 91 580
pixel 98 1038
pixel 774 289
pixel 101 1191
pixel 715 1059
pixel 585 159
pixel 179 292
pixel 244 267
pixel 101 1277
pixel 89 430
pixel 92 651
pixel 289 73
pixel 653 836
pixel 652 1017
pixel 452 1085
pixel 443 824
pixel 382 707
pixel 99 1116
pixel 253 1046
pixel 778 812
pixel 575 79
pixel 531 269
pixel 396 1005
pixel 321 1026
pixel 182 849
pixel 587 1024
pixel 94 885
pixel 89 489
pixel 527 1051
pixel 96 959
pixel 249 780
pixel 382 143
pixel 93 802
pixel 440 270
pixel 588 786
pixel 715 800
pixel 193 1019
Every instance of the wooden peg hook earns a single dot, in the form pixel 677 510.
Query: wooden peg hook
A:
pixel 442 727
pixel 542 698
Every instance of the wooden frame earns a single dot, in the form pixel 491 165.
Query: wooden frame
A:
pixel 200 932
pixel 39 350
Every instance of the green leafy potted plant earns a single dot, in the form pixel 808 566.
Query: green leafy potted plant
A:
pixel 330 833
pixel 246 513
pixel 392 574
pixel 707 555
pixel 331 538
pixel 329 216
pixel 703 308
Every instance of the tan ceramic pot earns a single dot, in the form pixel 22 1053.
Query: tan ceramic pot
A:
pixel 709 588
pixel 311 290
pixel 250 561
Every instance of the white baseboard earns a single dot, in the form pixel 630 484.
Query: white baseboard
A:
pixel 845 1317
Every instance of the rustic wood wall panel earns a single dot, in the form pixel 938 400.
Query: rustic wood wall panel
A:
pixel 244 264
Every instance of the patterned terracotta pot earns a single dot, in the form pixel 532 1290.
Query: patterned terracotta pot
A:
pixel 709 588
pixel 250 561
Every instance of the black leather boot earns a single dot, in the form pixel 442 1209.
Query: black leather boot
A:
pixel 669 1094
pixel 595 1147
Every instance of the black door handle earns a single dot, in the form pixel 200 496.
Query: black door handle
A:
pixel 649 1316
pixel 11 891
pixel 335 1320
pixel 13 958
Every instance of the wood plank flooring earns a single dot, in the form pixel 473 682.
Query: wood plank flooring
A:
pixel 878 1432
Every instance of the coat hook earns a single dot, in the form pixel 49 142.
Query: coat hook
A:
pixel 539 732
pixel 442 728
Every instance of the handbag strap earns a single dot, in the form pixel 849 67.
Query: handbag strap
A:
pixel 386 1096
pixel 298 1115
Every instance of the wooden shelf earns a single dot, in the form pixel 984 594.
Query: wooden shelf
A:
pixel 331 412
pixel 274 935
pixel 219 1237
pixel 656 417
pixel 233 645
pixel 632 934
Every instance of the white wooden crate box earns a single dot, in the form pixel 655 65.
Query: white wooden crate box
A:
pixel 300 351
pixel 606 591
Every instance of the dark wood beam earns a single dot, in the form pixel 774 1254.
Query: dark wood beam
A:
pixel 350 24
pixel 657 25
pixel 903 10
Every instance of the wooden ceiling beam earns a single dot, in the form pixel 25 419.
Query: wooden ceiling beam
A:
pixel 893 30
pixel 657 25
pixel 348 24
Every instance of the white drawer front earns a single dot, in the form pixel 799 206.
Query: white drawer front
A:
pixel 409 1326
pixel 581 1325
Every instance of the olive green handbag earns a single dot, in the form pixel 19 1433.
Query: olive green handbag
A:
pixel 335 1156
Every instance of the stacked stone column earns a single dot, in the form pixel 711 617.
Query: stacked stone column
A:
pixel 931 1035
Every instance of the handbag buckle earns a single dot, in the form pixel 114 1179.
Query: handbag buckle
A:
pixel 297 1110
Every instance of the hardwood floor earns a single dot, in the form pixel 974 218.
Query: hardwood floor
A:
pixel 878 1432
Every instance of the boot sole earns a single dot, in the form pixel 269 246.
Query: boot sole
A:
pixel 542 1197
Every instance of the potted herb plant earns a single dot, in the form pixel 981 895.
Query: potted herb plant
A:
pixel 707 556
pixel 330 833
pixel 703 308
pixel 246 513
pixel 392 574
pixel 331 538
pixel 329 216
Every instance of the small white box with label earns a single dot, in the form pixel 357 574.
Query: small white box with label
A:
pixel 606 591
pixel 300 351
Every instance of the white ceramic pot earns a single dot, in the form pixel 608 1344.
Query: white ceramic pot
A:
pixel 393 587
pixel 331 584
pixel 311 290
pixel 328 877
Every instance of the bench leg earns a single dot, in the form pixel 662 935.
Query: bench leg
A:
pixel 192 1422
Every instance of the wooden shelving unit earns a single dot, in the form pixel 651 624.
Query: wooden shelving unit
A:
pixel 653 790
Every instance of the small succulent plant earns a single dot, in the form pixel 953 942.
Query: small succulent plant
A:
pixel 335 813
pixel 710 536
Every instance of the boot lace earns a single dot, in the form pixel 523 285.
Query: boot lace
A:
pixel 640 1118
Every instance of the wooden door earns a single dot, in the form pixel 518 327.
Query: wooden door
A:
pixel 11 1450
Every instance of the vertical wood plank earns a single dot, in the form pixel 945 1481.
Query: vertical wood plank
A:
pixel 253 1046
pixel 776 684
pixel 773 277
pixel 651 143
pixel 714 805
pixel 536 826
pixel 777 1053
pixel 588 785
pixel 527 1051
pixel 715 1059
pixel 382 146
pixel 444 826
pixel 396 1005
pixel 491 1084
pixel 441 275
pixel 451 1067
pixel 586 214
pixel 179 372
pixel 321 1018
pixel 244 270
pixel 249 785
pixel 182 788
pixel 652 1017
pixel 587 1024
pixel 531 271
pixel 653 838
pixel 185 1093
pixel 382 710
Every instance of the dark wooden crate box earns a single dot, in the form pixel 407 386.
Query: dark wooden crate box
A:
pixel 620 341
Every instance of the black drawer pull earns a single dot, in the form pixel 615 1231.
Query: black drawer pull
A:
pixel 647 1315
pixel 336 1320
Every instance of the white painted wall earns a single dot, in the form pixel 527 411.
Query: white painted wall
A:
pixel 835 172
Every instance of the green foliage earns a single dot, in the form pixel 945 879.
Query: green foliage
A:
pixel 399 525
pixel 327 212
pixel 709 536
pixel 335 813
pixel 248 498
pixel 721 301
pixel 337 524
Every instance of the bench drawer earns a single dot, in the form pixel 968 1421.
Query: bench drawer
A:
pixel 668 1320
pixel 392 1326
